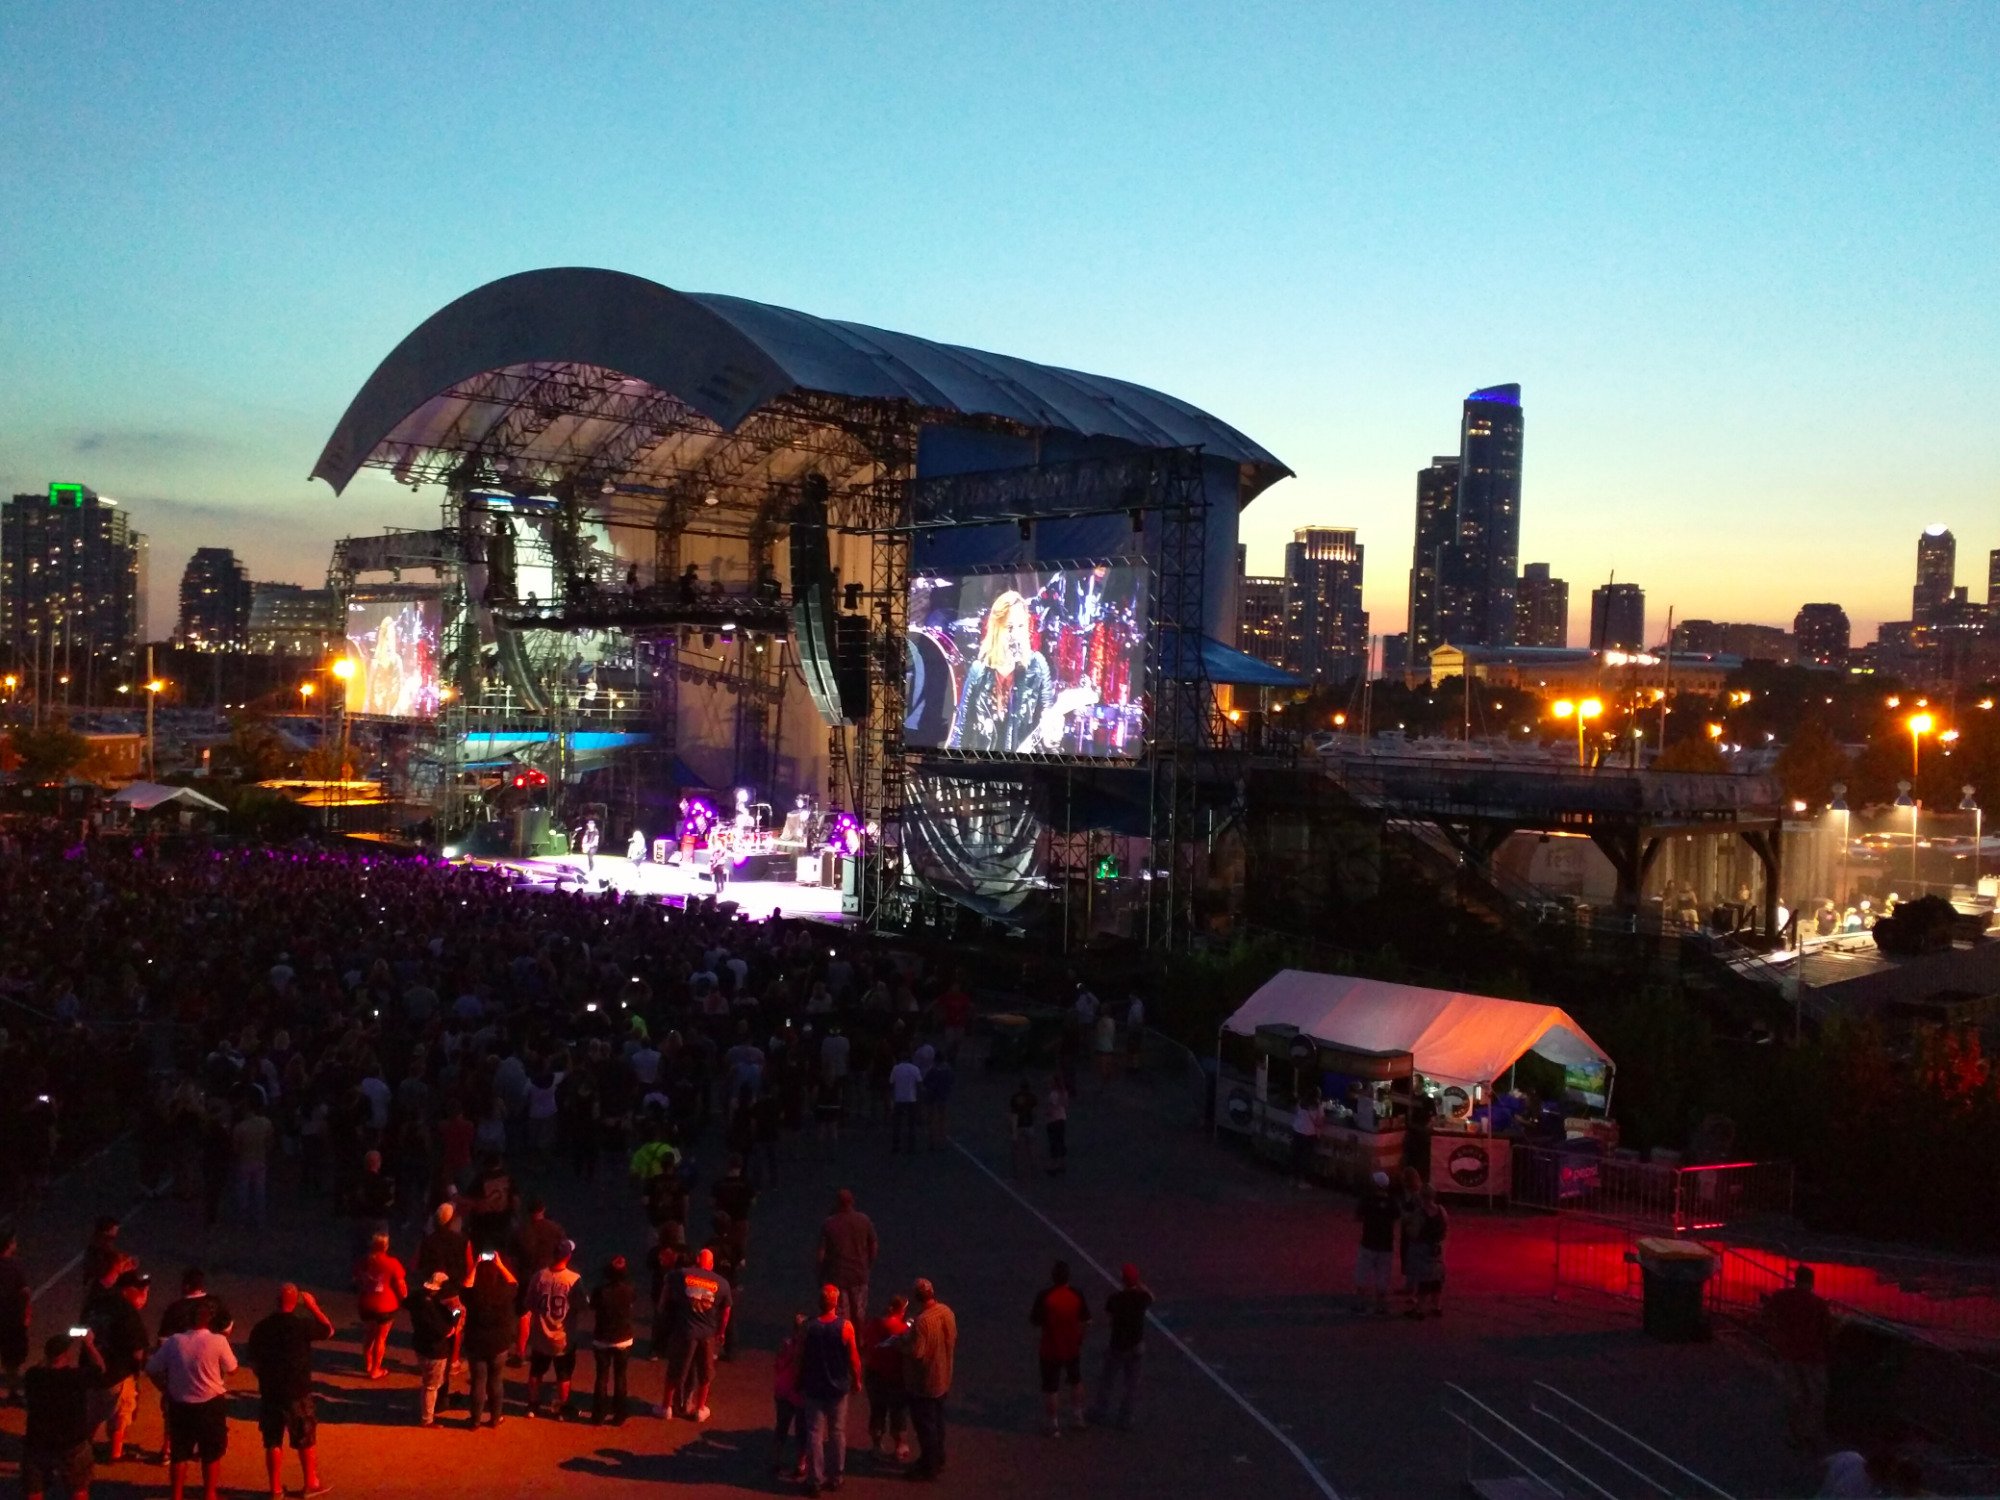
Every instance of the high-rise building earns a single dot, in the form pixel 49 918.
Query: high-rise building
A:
pixel 1822 635
pixel 1731 638
pixel 1956 630
pixel 287 619
pixel 1618 617
pixel 1479 568
pixel 1437 518
pixel 1395 655
pixel 1326 629
pixel 1260 618
pixel 215 602
pixel 1541 608
pixel 1993 579
pixel 1937 571
pixel 72 580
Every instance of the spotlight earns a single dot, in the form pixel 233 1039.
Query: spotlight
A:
pixel 711 498
pixel 608 488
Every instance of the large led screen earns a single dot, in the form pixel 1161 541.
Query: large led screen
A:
pixel 1048 660
pixel 393 644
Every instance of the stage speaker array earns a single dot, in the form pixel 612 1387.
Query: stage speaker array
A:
pixel 832 647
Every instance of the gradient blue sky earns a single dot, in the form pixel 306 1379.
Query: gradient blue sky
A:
pixel 1744 260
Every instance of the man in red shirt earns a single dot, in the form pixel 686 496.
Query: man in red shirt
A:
pixel 1061 1313
pixel 1798 1325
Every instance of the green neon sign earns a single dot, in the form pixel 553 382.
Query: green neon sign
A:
pixel 70 495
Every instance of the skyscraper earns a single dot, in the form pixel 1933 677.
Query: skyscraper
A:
pixel 1260 618
pixel 71 583
pixel 1437 517
pixel 1937 571
pixel 1822 635
pixel 287 619
pixel 1479 568
pixel 1326 629
pixel 1541 608
pixel 1993 579
pixel 1618 617
pixel 215 602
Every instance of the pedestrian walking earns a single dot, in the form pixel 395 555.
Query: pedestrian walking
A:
pixel 1125 1311
pixel 437 1319
pixel 1055 1124
pixel 489 1337
pixel 1061 1314
pixel 882 1379
pixel 55 1447
pixel 280 1351
pixel 193 1368
pixel 829 1373
pixel 551 1307
pixel 611 1337
pixel 906 1081
pixel 1798 1327
pixel 380 1290
pixel 930 1350
pixel 1379 1213
pixel 847 1251
pixel 1021 1123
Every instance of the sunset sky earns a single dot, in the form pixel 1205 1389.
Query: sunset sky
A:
pixel 1744 261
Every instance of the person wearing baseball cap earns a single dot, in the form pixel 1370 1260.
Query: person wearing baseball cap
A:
pixel 436 1320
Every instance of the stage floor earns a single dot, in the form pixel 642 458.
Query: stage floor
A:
pixel 754 898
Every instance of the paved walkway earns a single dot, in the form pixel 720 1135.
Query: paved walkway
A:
pixel 1270 1388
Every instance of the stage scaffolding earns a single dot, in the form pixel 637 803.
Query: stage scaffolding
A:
pixel 645 465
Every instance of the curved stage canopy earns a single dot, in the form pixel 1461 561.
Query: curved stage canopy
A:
pixel 557 374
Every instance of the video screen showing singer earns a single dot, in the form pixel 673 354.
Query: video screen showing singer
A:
pixel 1009 703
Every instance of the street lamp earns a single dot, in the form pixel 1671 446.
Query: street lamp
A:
pixel 1589 708
pixel 1968 802
pixel 1920 725
pixel 1904 799
pixel 1839 805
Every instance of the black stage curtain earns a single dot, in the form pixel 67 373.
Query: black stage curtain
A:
pixel 976 841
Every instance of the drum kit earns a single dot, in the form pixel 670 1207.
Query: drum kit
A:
pixel 1102 653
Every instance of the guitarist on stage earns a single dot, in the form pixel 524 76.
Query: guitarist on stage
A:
pixel 1010 703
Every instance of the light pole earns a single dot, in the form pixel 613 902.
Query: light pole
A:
pixel 1588 708
pixel 343 669
pixel 1839 805
pixel 1920 725
pixel 1904 799
pixel 153 686
pixel 1968 802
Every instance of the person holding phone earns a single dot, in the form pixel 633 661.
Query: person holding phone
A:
pixel 490 1328
pixel 55 1450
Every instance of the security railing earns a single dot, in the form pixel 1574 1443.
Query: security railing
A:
pixel 1563 1448
pixel 1677 1198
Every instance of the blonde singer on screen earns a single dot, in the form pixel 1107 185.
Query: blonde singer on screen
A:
pixel 1009 703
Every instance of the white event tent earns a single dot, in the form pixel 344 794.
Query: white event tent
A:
pixel 144 796
pixel 1453 1038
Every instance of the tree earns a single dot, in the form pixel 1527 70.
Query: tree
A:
pixel 1691 754
pixel 255 747
pixel 48 754
pixel 1811 762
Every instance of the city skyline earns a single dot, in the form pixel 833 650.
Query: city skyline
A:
pixel 1755 250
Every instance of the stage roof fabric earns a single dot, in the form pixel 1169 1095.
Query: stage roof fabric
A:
pixel 1225 664
pixel 144 796
pixel 724 357
pixel 1455 1038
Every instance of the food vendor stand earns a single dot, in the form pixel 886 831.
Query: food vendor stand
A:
pixel 1398 1072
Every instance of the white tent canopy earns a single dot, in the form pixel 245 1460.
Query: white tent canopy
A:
pixel 1454 1038
pixel 144 796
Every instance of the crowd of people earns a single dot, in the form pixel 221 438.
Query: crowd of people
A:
pixel 402 1044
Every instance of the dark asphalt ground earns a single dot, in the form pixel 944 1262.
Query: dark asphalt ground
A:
pixel 1270 1387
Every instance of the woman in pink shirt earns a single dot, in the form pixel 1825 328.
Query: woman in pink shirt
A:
pixel 380 1290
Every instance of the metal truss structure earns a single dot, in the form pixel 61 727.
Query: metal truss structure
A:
pixel 617 452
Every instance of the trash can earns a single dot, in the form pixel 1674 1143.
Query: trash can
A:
pixel 1674 1274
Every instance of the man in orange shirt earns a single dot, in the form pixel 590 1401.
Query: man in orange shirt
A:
pixel 1061 1313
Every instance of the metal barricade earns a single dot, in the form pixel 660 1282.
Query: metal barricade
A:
pixel 1678 1198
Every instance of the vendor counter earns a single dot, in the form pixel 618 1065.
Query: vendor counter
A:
pixel 1344 1156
